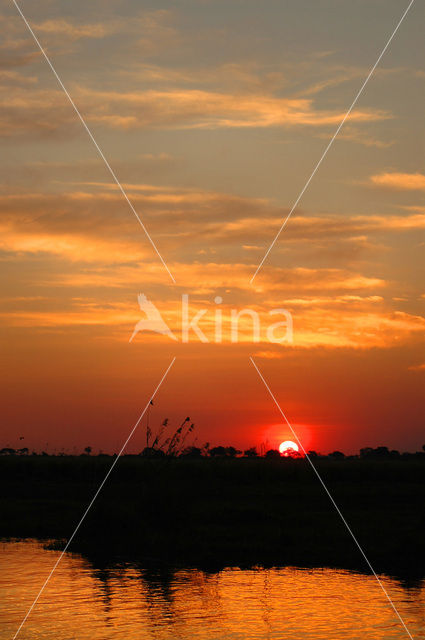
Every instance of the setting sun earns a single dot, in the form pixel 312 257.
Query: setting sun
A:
pixel 288 448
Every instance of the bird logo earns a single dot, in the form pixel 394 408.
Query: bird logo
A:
pixel 153 320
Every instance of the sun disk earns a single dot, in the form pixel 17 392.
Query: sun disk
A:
pixel 288 448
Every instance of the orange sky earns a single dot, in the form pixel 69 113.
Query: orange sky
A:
pixel 213 121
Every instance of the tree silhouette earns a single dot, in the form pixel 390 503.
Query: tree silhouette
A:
pixel 7 451
pixel 273 454
pixel 217 451
pixel 337 455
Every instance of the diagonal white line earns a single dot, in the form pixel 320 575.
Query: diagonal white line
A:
pixel 332 500
pixel 283 225
pixel 111 171
pixel 93 499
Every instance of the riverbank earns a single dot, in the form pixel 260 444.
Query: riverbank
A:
pixel 212 513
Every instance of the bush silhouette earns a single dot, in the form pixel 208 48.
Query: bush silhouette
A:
pixel 273 454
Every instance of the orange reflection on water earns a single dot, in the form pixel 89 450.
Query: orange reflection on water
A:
pixel 84 602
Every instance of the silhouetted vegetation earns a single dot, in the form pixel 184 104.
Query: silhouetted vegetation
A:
pixel 251 452
pixel 164 443
pixel 169 442
pixel 180 504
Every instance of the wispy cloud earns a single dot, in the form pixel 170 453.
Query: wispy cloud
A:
pixel 63 28
pixel 358 326
pixel 399 181
pixel 179 217
pixel 417 367
pixel 93 248
pixel 361 136
pixel 187 108
pixel 46 112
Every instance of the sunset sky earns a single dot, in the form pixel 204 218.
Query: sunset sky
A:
pixel 213 115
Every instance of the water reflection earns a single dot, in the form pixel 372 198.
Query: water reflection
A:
pixel 83 601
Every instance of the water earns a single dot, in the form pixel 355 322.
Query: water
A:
pixel 81 602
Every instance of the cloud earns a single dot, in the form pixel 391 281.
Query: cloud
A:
pixel 310 225
pixel 146 33
pixel 200 109
pixel 70 246
pixel 182 222
pixel 46 112
pixel 36 112
pixel 359 327
pixel 362 329
pixel 13 79
pixel 154 25
pixel 226 95
pixel 16 53
pixel 417 367
pixel 100 255
pixel 270 355
pixel 85 239
pixel 179 218
pixel 61 28
pixel 400 181
pixel 208 277
pixel 360 136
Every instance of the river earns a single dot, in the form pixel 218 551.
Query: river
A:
pixel 84 602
